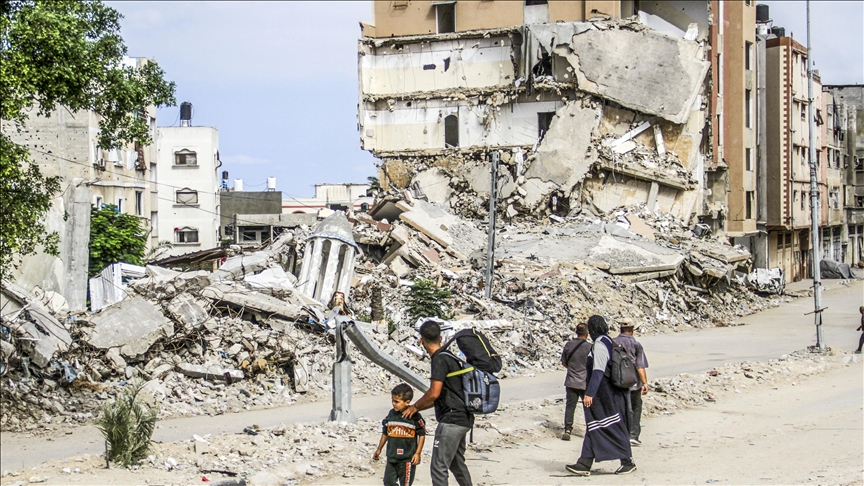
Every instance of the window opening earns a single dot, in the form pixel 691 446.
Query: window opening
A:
pixel 139 203
pixel 186 235
pixel 185 157
pixel 544 121
pixel 446 17
pixel 451 131
pixel 187 196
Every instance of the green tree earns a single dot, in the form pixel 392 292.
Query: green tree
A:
pixel 69 53
pixel 115 237
pixel 425 299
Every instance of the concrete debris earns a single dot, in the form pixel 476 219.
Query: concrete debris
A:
pixel 109 287
pixel 131 325
pixel 766 280
pixel 216 342
pixel 40 334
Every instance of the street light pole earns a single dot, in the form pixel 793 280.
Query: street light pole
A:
pixel 814 200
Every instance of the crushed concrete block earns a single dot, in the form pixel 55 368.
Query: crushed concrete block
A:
pixel 45 334
pixel 446 229
pixel 400 267
pixel 212 372
pixel 132 325
pixel 160 371
pixel 242 297
pixel 240 265
pixel 271 279
pixel 188 310
pixel 435 184
pixel 117 361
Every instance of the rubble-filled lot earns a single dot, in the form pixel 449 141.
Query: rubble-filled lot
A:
pixel 311 452
pixel 245 336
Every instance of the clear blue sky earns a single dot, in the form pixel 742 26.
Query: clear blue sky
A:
pixel 279 80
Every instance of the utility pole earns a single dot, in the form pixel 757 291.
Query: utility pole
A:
pixel 814 200
pixel 490 245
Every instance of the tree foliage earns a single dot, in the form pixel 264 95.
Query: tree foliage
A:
pixel 69 53
pixel 115 237
pixel 425 299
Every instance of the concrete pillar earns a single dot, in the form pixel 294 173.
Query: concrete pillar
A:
pixel 328 286
pixel 652 196
pixel 347 271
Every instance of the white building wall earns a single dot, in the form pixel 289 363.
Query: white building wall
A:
pixel 350 194
pixel 203 178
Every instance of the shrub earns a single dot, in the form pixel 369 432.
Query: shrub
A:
pixel 425 299
pixel 127 425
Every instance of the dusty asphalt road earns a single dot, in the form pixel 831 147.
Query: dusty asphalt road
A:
pixel 765 335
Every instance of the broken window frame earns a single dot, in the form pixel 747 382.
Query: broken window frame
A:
pixel 186 236
pixel 185 158
pixel 186 197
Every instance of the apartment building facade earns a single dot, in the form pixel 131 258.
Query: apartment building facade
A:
pixel 188 188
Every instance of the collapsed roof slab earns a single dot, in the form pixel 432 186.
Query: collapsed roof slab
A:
pixel 642 70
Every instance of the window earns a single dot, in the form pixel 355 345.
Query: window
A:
pixel 99 202
pixel 187 196
pixel 139 203
pixel 834 198
pixel 445 14
pixel 451 131
pixel 119 204
pixel 544 120
pixel 748 55
pixel 748 158
pixel 748 101
pixel 186 235
pixel 536 12
pixel 803 66
pixel 803 111
pixel 749 205
pixel 154 223
pixel 185 157
pixel 804 197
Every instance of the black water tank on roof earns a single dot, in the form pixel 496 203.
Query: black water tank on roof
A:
pixel 778 31
pixel 762 13
pixel 185 110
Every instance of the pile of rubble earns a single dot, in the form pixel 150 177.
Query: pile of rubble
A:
pixel 249 334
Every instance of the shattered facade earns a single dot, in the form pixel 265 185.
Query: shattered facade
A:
pixel 65 144
pixel 587 115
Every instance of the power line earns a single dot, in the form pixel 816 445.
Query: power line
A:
pixel 164 183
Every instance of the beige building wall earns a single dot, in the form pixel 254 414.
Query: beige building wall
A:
pixel 394 18
pixel 739 114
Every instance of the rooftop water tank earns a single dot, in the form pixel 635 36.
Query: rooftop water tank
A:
pixel 762 13
pixel 271 183
pixel 238 185
pixel 185 113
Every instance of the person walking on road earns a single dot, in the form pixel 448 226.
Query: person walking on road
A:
pixel 574 357
pixel 607 428
pixel 454 420
pixel 860 328
pixel 637 354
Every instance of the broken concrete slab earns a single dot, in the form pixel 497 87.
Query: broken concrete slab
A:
pixel 243 297
pixel 188 310
pixel 212 372
pixel 446 229
pixel 639 227
pixel 43 335
pixel 132 325
pixel 240 265
pixel 614 63
pixel 565 155
pixel 273 279
pixel 434 184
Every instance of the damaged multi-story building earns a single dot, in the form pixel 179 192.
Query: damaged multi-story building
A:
pixel 65 144
pixel 844 134
pixel 593 105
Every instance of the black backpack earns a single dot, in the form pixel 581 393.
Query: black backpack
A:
pixel 477 349
pixel 621 369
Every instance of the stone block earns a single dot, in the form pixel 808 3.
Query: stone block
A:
pixel 132 325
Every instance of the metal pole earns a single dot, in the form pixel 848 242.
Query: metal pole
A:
pixel 814 199
pixel 490 245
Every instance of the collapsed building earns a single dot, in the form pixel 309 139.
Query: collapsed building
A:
pixel 587 115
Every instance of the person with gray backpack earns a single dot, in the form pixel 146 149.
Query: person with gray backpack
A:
pixel 446 394
pixel 607 422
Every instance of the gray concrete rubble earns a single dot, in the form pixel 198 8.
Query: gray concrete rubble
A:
pixel 246 336
pixel 132 326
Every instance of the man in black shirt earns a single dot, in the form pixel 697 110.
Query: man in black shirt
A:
pixel 454 420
